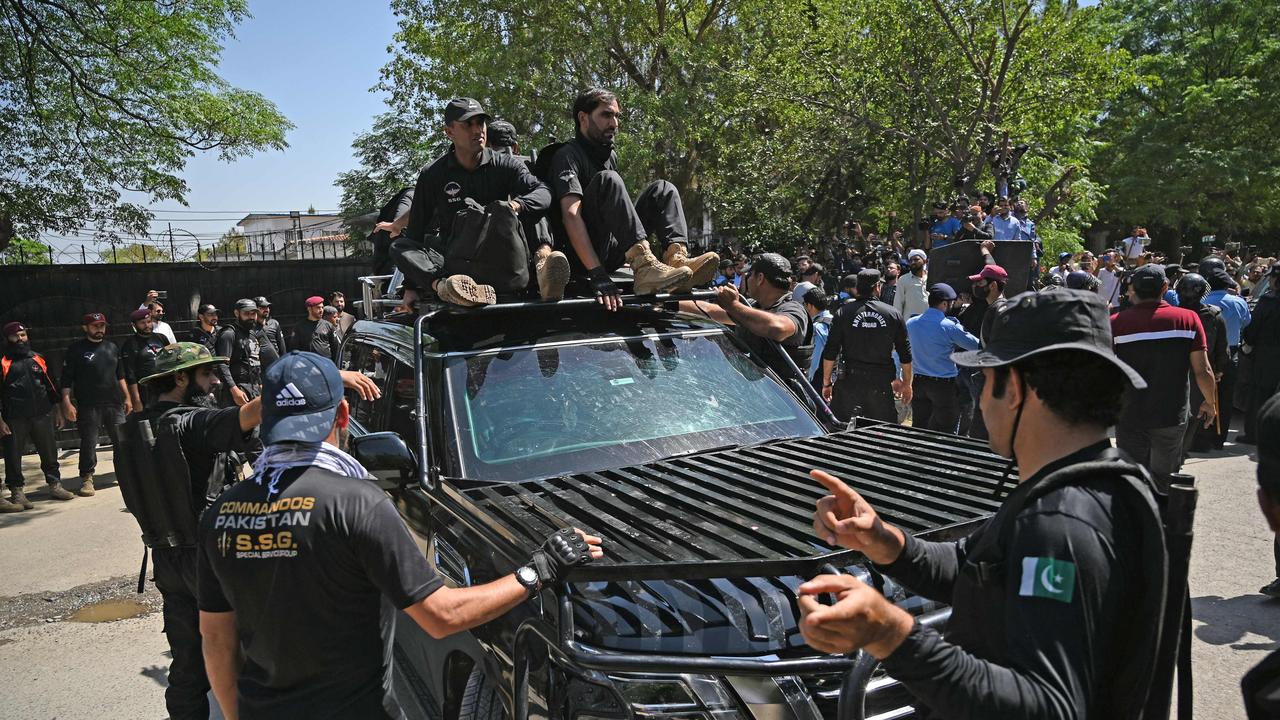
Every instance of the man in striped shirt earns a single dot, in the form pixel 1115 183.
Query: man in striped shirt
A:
pixel 1163 343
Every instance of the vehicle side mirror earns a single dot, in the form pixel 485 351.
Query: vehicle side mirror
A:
pixel 387 457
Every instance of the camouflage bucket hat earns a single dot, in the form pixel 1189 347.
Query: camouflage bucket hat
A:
pixel 180 356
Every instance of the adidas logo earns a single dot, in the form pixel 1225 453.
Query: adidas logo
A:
pixel 289 395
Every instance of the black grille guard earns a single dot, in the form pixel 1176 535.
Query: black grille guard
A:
pixel 745 512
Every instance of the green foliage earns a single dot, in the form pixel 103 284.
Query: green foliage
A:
pixel 778 120
pixel 1194 147
pixel 135 253
pixel 21 251
pixel 230 244
pixel 99 98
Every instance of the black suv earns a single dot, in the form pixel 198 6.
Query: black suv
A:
pixel 659 431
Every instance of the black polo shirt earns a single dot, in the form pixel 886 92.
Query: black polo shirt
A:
pixel 444 186
pixel 573 167
pixel 92 371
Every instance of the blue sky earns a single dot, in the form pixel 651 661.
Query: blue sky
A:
pixel 316 60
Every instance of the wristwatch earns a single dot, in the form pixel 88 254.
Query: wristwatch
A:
pixel 527 576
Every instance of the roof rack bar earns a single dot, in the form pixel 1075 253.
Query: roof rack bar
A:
pixel 627 300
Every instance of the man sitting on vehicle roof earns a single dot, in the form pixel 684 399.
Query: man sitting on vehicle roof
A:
pixel 472 189
pixel 597 218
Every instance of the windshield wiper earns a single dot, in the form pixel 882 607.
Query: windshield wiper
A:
pixel 718 448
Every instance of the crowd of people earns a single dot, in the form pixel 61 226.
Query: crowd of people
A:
pixel 101 383
pixel 1124 341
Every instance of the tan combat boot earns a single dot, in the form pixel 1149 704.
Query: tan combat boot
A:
pixel 9 507
pixel 553 274
pixel 57 492
pixel 19 498
pixel 704 266
pixel 652 276
pixel 462 290
pixel 86 486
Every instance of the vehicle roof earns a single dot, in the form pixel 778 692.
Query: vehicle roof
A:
pixel 468 330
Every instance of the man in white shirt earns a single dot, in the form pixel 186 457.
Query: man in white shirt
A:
pixel 1109 277
pixel 158 325
pixel 1135 244
pixel 912 297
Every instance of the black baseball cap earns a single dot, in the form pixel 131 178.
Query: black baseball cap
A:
pixel 262 301
pixel 246 304
pixel 207 309
pixel 867 279
pixel 772 265
pixel 462 109
pixel 1148 279
pixel 1033 323
pixel 501 134
pixel 300 396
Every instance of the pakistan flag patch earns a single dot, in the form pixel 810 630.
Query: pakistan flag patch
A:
pixel 1048 578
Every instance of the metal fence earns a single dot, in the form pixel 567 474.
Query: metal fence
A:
pixel 316 248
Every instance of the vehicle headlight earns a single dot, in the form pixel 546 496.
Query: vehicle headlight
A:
pixel 688 697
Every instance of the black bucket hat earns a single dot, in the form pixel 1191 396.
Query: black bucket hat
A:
pixel 1033 323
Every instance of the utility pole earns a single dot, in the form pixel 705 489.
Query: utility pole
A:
pixel 173 252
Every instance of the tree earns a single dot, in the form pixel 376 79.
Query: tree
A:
pixel 101 98
pixel 231 243
pixel 135 253
pixel 781 119
pixel 1194 146
pixel 21 251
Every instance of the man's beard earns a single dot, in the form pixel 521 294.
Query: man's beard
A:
pixel 918 270
pixel 198 397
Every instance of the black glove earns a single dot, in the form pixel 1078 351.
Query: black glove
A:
pixel 601 282
pixel 562 550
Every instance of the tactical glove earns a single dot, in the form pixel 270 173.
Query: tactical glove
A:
pixel 601 283
pixel 562 550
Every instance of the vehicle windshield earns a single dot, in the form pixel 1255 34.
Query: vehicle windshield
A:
pixel 533 413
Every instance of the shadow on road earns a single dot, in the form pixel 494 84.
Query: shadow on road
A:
pixel 158 674
pixel 1228 620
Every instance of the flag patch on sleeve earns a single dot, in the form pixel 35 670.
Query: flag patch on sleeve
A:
pixel 1048 578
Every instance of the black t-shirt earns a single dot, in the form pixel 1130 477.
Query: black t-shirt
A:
pixel 92 371
pixel 763 348
pixel 572 169
pixel 139 355
pixel 445 184
pixel 315 336
pixel 305 573
pixel 866 332
pixel 206 435
pixel 199 335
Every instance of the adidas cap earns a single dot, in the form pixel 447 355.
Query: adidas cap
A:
pixel 300 396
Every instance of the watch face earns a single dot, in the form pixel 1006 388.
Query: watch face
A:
pixel 527 575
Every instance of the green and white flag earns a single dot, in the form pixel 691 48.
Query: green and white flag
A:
pixel 1048 578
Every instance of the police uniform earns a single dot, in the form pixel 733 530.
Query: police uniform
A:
pixel 195 441
pixel 443 191
pixel 240 344
pixel 1056 601
pixel 865 333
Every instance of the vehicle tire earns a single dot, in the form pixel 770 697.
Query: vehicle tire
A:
pixel 480 699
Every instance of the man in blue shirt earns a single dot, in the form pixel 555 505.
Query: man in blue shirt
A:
pixel 935 402
pixel 1235 311
pixel 945 226
pixel 816 303
pixel 1004 226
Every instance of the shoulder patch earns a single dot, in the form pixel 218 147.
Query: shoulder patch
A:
pixel 1048 578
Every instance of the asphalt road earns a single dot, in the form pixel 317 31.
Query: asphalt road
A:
pixel 64 556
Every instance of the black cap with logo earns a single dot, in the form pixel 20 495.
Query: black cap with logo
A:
pixel 1148 279
pixel 1034 323
pixel 772 265
pixel 867 280
pixel 462 110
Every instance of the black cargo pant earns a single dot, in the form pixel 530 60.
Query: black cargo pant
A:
pixel 934 403
pixel 501 246
pixel 614 223
pixel 175 574
pixel 868 393
pixel 89 420
pixel 40 431
pixel 978 424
